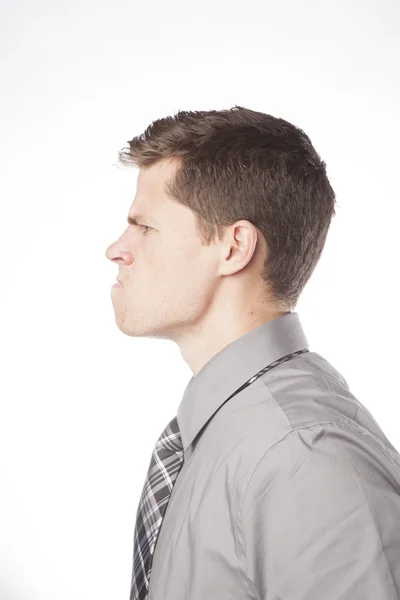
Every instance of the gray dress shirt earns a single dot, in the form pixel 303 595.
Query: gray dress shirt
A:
pixel 289 490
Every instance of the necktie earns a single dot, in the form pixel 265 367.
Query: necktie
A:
pixel 165 464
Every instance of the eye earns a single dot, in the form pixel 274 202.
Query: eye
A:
pixel 146 227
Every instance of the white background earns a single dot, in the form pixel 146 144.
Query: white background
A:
pixel 82 405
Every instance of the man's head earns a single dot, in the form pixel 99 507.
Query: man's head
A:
pixel 236 207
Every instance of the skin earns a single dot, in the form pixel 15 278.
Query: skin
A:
pixel 174 287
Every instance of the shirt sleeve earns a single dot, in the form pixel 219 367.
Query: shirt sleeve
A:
pixel 320 518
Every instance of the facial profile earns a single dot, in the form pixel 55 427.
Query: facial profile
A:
pixel 173 286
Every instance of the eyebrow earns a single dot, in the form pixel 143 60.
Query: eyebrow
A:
pixel 138 220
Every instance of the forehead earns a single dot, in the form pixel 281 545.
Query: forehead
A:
pixel 152 179
pixel 151 200
pixel 150 194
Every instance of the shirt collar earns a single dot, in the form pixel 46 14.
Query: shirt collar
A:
pixel 232 366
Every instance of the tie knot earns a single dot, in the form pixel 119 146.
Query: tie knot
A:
pixel 170 439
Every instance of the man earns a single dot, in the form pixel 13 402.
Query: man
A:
pixel 273 481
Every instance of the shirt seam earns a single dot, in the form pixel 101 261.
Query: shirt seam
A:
pixel 239 518
pixel 350 424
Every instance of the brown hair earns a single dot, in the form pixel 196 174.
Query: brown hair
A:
pixel 242 164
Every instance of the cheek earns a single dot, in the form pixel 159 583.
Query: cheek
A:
pixel 194 268
pixel 186 264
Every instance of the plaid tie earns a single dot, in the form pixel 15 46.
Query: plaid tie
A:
pixel 165 464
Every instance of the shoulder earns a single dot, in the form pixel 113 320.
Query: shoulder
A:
pixel 320 463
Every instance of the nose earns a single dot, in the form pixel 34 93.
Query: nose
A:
pixel 109 251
